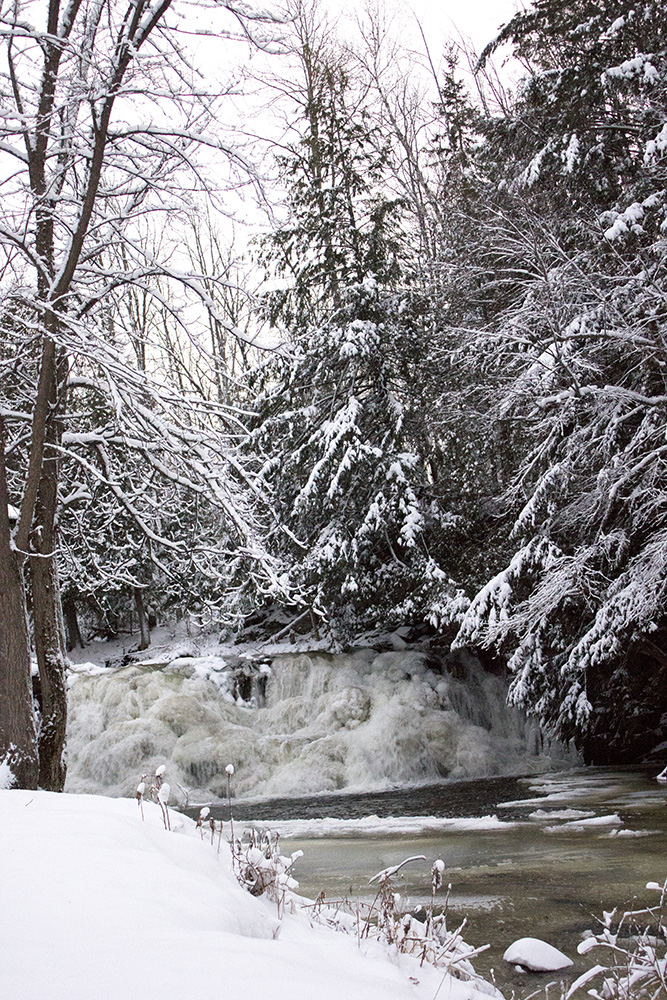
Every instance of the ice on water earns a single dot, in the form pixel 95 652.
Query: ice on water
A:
pixel 322 722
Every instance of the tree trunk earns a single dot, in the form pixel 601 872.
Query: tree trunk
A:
pixel 49 646
pixel 144 632
pixel 72 630
pixel 18 742
pixel 46 604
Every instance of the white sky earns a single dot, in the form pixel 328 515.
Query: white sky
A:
pixel 441 20
pixel 478 20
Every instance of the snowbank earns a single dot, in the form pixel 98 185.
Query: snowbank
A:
pixel 536 955
pixel 97 903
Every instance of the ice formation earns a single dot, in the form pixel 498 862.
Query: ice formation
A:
pixel 303 724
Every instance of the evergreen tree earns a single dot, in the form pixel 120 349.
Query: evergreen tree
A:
pixel 576 350
pixel 341 226
pixel 591 100
pixel 360 529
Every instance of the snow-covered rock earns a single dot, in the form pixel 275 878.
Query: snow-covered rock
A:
pixel 536 955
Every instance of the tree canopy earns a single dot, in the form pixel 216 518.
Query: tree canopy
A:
pixel 460 423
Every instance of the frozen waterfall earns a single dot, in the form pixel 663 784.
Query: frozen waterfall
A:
pixel 295 724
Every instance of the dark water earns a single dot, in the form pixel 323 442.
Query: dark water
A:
pixel 532 876
pixel 457 798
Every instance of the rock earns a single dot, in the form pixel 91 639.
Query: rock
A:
pixel 536 955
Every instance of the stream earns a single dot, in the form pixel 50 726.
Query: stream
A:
pixel 544 858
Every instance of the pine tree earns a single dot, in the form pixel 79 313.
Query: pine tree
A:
pixel 341 225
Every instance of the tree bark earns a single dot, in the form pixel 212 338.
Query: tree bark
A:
pixel 35 535
pixel 72 630
pixel 46 604
pixel 18 740
pixel 49 646
pixel 145 636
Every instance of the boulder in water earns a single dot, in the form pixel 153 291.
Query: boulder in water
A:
pixel 536 956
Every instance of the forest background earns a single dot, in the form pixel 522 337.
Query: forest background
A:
pixel 430 394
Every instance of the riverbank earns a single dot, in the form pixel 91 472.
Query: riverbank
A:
pixel 97 903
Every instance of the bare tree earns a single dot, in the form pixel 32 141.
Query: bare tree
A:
pixel 101 116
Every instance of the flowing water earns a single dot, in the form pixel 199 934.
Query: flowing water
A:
pixel 296 723
pixel 561 849
pixel 313 733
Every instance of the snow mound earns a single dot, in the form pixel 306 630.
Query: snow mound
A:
pixel 97 903
pixel 538 956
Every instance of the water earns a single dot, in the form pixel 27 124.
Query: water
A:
pixel 456 798
pixel 535 874
pixel 329 724
pixel 303 724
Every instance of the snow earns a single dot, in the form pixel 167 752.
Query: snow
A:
pixel 571 156
pixel 561 814
pixel 623 834
pixel 613 28
pixel 619 228
pixel 532 172
pixel 655 147
pixel 595 821
pixel 6 776
pixel 536 955
pixel 637 66
pixel 98 903
pixel 625 221
pixel 388 873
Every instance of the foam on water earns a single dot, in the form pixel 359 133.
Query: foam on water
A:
pixel 317 723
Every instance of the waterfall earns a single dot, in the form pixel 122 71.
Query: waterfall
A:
pixel 297 724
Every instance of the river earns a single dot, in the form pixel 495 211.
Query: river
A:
pixel 544 858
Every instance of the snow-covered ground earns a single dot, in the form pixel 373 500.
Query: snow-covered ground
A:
pixel 98 904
